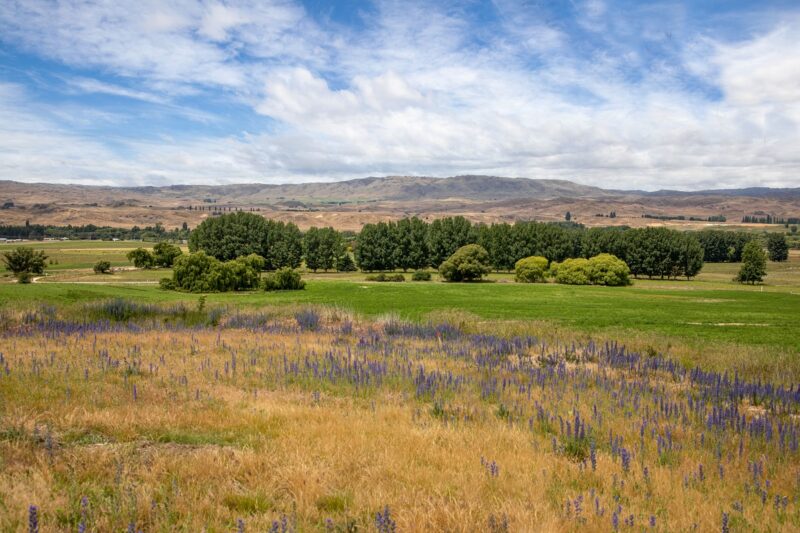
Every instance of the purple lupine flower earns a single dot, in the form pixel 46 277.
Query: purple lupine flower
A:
pixel 725 527
pixel 384 522
pixel 33 519
pixel 240 525
pixel 652 520
pixel 626 459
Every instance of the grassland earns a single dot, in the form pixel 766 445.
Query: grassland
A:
pixel 176 419
pixel 458 407
pixel 708 321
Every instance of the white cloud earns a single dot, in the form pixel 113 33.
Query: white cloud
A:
pixel 410 94
pixel 765 70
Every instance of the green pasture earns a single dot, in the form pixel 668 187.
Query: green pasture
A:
pixel 709 313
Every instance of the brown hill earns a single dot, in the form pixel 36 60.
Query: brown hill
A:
pixel 350 204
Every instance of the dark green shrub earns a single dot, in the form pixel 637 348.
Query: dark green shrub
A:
pixel 530 270
pixel 284 279
pixel 102 267
pixel 386 277
pixel 167 284
pixel 468 263
pixel 421 275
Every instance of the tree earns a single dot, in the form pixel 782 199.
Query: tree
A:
pixel 530 270
pixel 754 264
pixel 498 240
pixel 691 256
pixel 164 254
pixel 411 246
pixel 102 267
pixel 24 262
pixel 568 216
pixel 446 235
pixel 191 272
pixel 468 263
pixel 345 263
pixel 322 248
pixel 777 247
pixel 229 236
pixel 375 247
pixel 282 245
pixel 141 258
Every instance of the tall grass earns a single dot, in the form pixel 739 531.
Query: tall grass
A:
pixel 264 421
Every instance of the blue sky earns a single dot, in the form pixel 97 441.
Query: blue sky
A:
pixel 624 94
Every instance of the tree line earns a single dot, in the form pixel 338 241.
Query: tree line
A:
pixel 37 232
pixel 412 244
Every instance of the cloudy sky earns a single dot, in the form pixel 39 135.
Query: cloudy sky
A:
pixel 623 94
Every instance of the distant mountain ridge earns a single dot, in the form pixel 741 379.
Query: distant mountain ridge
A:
pixel 370 189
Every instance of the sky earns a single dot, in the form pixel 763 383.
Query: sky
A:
pixel 620 94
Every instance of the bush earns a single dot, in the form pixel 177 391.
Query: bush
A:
pixel 164 254
pixel 102 267
pixel 386 277
pixel 202 273
pixel 284 279
pixel 468 263
pixel 421 275
pixel 572 272
pixel 530 270
pixel 141 258
pixel 607 269
pixel 24 259
pixel 24 277
pixel 167 284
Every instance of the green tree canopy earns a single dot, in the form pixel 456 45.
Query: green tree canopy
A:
pixel 754 264
pixel 231 235
pixel 24 260
pixel 141 258
pixel 777 247
pixel 164 254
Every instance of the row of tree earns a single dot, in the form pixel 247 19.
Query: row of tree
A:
pixel 37 232
pixel 412 244
pixel 280 244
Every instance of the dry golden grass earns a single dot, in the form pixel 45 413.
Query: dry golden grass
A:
pixel 221 427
